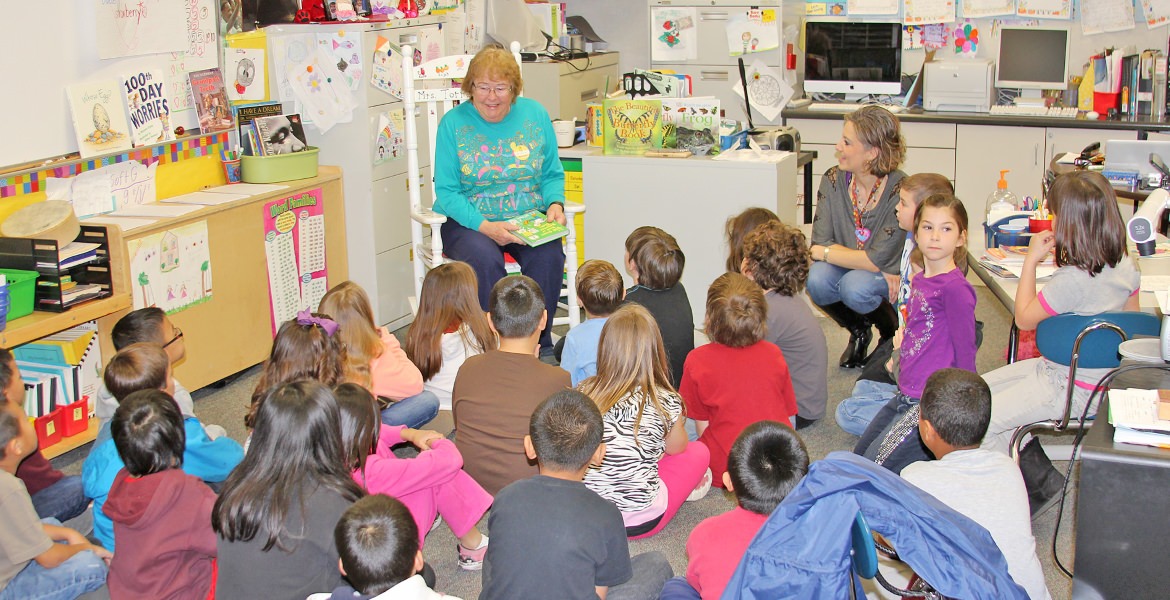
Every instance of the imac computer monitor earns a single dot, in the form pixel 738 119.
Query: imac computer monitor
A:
pixel 853 58
pixel 1032 59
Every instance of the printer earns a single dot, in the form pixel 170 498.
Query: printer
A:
pixel 959 85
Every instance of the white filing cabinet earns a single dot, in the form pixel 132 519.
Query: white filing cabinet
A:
pixel 377 206
pixel 713 71
pixel 565 87
pixel 703 194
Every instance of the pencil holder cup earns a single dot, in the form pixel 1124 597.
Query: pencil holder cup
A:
pixel 232 171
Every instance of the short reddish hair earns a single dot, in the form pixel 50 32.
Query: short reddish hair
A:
pixel 599 287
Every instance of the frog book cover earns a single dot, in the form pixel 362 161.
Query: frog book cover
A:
pixel 691 124
pixel 632 126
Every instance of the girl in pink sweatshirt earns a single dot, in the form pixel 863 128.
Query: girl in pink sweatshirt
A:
pixel 431 484
pixel 376 360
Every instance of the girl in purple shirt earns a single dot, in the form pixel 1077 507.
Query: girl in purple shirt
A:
pixel 939 331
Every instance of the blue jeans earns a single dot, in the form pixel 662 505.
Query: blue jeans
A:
pixel 651 570
pixel 856 412
pixel 678 589
pixel 62 500
pixel 862 291
pixel 84 572
pixel 414 412
pixel 544 263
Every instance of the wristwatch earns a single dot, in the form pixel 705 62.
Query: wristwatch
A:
pixel 825 255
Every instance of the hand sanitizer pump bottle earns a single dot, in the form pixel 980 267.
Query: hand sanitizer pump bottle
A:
pixel 1002 202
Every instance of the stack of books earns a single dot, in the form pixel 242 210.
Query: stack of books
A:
pixel 1140 417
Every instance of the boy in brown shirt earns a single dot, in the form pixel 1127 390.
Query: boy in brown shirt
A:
pixel 496 392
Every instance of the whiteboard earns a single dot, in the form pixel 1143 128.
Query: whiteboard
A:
pixel 42 52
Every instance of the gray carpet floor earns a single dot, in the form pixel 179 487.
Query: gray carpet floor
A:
pixel 226 404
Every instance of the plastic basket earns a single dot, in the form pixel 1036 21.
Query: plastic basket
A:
pixel 21 292
pixel 280 167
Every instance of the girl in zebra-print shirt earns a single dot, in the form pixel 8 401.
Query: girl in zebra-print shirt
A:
pixel 650 467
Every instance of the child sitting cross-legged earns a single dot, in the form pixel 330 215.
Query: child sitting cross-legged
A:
pixel 495 392
pixel 39 558
pixel 161 514
pixel 739 378
pixel 430 484
pixel 766 462
pixel 380 553
pixel 147 367
pixel 599 287
pixel 983 485
pixel 552 537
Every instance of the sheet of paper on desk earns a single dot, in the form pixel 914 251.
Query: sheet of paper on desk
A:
pixel 204 199
pixel 158 211
pixel 1068 158
pixel 125 223
pixel 248 189
pixel 1136 409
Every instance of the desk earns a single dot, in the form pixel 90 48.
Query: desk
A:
pixel 1121 535
pixel 689 198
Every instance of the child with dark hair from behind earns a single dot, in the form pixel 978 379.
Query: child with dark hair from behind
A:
pixel 599 287
pixel 31 563
pixel 983 485
pixel 738 378
pixel 147 367
pixel 496 392
pixel 552 537
pixel 766 462
pixel 380 555
pixel 161 514
pixel 655 261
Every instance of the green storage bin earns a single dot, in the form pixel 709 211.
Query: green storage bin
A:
pixel 21 292
pixel 279 167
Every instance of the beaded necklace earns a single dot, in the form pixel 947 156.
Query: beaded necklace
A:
pixel 862 232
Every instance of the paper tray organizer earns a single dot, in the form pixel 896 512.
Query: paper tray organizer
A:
pixel 42 256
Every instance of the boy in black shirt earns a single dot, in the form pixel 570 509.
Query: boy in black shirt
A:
pixel 551 536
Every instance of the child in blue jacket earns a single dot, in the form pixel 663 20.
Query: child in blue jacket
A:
pixel 143 367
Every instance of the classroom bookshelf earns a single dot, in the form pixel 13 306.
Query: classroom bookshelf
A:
pixel 41 323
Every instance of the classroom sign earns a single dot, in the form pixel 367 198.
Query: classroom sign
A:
pixel 294 245
pixel 171 269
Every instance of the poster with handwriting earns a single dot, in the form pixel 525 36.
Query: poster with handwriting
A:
pixel 137 27
pixel 294 246
pixel 171 269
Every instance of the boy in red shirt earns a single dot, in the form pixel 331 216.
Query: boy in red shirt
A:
pixel 767 461
pixel 738 378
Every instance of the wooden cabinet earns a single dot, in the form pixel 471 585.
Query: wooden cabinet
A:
pixel 565 87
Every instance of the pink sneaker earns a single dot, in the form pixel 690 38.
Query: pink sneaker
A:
pixel 472 560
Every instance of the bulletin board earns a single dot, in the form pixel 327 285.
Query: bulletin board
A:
pixel 44 51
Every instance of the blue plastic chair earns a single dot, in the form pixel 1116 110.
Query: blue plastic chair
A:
pixel 865 560
pixel 1089 342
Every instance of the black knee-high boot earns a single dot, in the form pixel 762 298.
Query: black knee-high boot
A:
pixel 859 333
pixel 885 318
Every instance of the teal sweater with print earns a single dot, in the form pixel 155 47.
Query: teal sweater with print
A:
pixel 495 171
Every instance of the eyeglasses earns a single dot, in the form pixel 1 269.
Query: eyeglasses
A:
pixel 178 334
pixel 485 89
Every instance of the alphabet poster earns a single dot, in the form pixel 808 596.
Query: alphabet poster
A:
pixel 136 27
pixel 171 269
pixel 294 245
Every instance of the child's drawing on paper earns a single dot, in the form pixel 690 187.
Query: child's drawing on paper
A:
pixel 675 35
pixel 391 136
pixel 171 269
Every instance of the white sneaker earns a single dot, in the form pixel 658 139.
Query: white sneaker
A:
pixel 701 490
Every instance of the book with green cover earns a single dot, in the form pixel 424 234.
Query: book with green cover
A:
pixel 535 229
pixel 632 126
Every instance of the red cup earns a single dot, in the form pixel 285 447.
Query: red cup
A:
pixel 1038 225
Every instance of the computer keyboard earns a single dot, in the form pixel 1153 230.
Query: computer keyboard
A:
pixel 848 107
pixel 1022 110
